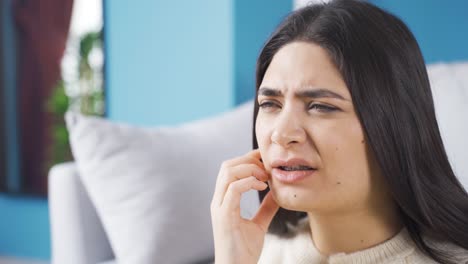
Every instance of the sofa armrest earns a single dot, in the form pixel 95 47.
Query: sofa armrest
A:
pixel 76 231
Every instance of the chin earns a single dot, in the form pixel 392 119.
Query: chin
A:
pixel 289 199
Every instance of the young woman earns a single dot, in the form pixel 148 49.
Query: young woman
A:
pixel 348 156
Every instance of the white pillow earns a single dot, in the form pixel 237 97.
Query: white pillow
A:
pixel 449 83
pixel 152 188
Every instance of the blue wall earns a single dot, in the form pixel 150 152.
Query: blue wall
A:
pixel 24 227
pixel 254 22
pixel 169 62
pixel 440 27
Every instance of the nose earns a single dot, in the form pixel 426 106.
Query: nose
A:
pixel 288 130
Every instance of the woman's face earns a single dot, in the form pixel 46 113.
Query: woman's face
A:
pixel 306 117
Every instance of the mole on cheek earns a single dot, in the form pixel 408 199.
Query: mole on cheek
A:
pixel 362 141
pixel 338 182
pixel 294 196
pixel 362 241
pixel 336 149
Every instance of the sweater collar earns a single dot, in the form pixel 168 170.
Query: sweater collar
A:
pixel 398 246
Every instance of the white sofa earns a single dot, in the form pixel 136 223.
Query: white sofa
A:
pixel 77 232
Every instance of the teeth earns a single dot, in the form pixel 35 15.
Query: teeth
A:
pixel 292 168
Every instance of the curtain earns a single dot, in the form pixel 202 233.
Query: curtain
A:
pixel 42 30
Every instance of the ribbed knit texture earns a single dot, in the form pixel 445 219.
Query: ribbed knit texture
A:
pixel 300 249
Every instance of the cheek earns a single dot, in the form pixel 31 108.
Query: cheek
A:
pixel 262 135
pixel 262 129
pixel 342 146
pixel 345 161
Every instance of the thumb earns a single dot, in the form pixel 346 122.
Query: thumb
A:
pixel 267 211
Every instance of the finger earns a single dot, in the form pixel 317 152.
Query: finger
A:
pixel 255 153
pixel 266 212
pixel 243 171
pixel 232 174
pixel 251 157
pixel 231 201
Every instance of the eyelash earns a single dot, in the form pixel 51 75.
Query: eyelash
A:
pixel 320 107
pixel 323 108
pixel 266 105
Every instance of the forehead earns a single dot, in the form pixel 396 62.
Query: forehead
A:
pixel 303 65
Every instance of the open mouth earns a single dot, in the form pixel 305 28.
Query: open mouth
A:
pixel 292 171
pixel 295 168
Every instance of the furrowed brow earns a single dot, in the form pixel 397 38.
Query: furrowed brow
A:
pixel 265 91
pixel 314 93
pixel 320 93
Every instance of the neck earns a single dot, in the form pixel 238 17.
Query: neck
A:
pixel 353 231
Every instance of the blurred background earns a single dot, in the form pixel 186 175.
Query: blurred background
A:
pixel 145 62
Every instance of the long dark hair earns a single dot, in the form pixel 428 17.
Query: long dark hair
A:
pixel 383 68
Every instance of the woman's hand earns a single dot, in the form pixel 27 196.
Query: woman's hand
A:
pixel 239 240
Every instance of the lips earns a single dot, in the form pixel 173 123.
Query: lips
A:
pixel 292 170
pixel 294 164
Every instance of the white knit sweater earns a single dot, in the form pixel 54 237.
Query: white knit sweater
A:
pixel 300 249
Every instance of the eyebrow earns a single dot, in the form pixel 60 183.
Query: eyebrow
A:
pixel 315 93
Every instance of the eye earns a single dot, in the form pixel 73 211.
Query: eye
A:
pixel 267 105
pixel 322 108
